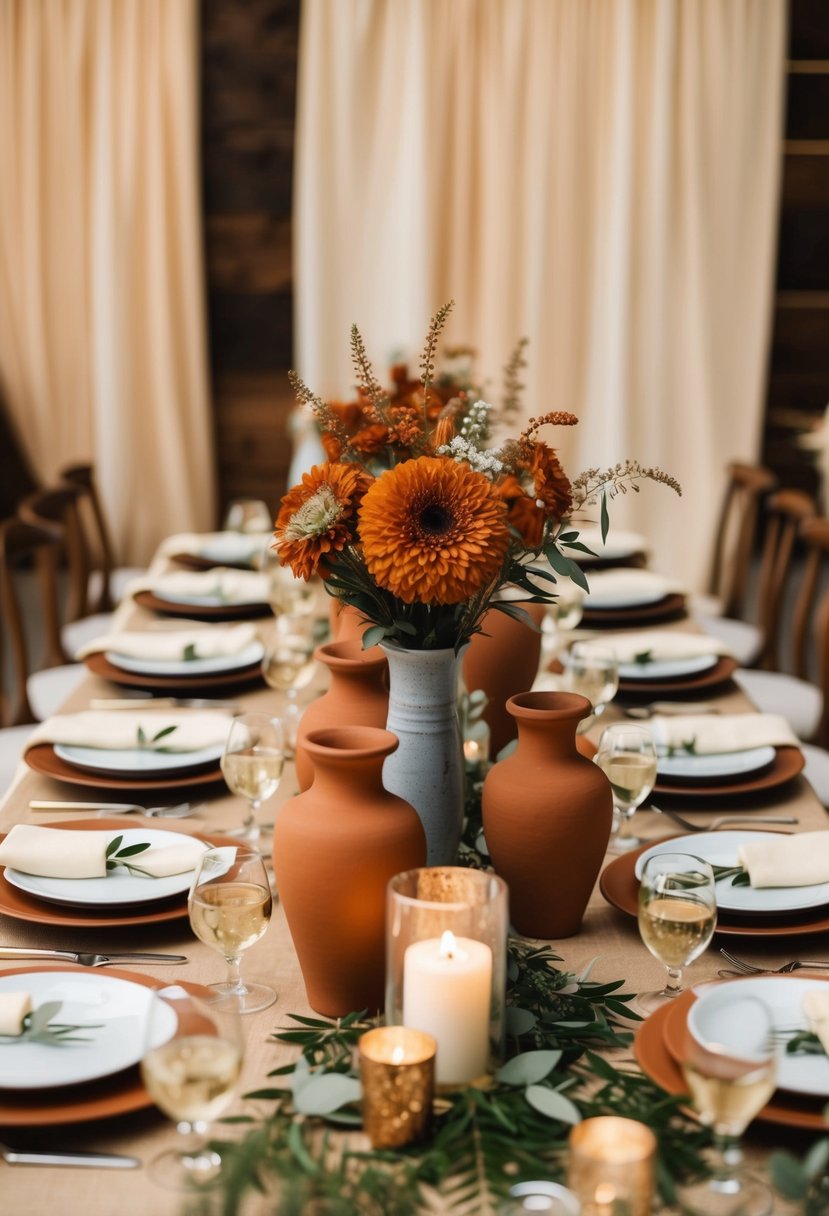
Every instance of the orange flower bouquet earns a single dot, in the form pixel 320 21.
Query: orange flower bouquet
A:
pixel 418 524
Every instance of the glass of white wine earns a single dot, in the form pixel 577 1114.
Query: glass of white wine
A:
pixel 729 1082
pixel 248 515
pixel 191 1060
pixel 677 917
pixel 592 671
pixel 286 592
pixel 627 755
pixel 252 763
pixel 230 907
pixel 560 618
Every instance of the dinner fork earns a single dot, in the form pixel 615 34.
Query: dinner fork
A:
pixel 179 811
pixel 721 820
pixel 744 968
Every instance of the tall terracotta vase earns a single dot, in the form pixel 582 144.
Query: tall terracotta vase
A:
pixel 357 696
pixel 503 661
pixel 427 769
pixel 347 623
pixel 547 813
pixel 335 848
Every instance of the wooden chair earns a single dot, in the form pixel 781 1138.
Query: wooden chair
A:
pixel 747 486
pixel 106 581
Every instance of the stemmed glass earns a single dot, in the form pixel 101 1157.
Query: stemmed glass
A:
pixel 230 908
pixel 627 754
pixel 286 592
pixel 252 763
pixel 593 671
pixel 191 1060
pixel 248 515
pixel 559 618
pixel 288 666
pixel 729 1083
pixel 677 917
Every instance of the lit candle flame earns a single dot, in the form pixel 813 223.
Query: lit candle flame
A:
pixel 448 944
pixel 398 1055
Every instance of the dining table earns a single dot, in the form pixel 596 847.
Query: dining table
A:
pixel 609 939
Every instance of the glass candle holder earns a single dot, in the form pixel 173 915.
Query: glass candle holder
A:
pixel 397 1069
pixel 611 1166
pixel 446 956
pixel 541 1196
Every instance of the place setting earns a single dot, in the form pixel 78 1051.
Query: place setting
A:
pixel 185 659
pixel 630 597
pixel 219 593
pixel 618 548
pixel 207 550
pixel 667 661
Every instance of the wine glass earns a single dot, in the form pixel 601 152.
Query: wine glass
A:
pixel 677 917
pixel 627 754
pixel 593 671
pixel 286 593
pixel 730 1080
pixel 252 763
pixel 248 515
pixel 288 663
pixel 563 615
pixel 230 908
pixel 191 1060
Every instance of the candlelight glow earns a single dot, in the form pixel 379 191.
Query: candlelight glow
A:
pixel 398 1055
pixel 448 944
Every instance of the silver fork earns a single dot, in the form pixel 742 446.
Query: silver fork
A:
pixel 721 820
pixel 179 811
pixel 744 968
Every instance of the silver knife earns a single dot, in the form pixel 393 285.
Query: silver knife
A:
pixel 90 958
pixel 161 703
pixel 111 1161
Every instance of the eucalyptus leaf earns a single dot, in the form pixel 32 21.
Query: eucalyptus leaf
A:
pixel 519 1021
pixel 373 635
pixel 326 1092
pixel 528 1067
pixel 553 1104
pixel 605 517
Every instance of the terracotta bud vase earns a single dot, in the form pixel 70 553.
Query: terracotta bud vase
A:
pixel 347 622
pixel 335 848
pixel 358 696
pixel 503 661
pixel 547 813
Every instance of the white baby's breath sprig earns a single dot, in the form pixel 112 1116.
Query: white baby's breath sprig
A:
pixel 475 426
pixel 462 450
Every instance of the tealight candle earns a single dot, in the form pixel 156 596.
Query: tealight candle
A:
pixel 397 1068
pixel 447 989
pixel 611 1166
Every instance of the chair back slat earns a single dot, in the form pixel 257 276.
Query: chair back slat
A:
pixel 785 512
pixel 57 508
pixel 737 532
pixel 98 540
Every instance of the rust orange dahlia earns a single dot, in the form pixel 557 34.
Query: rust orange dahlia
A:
pixel 433 531
pixel 523 513
pixel 550 482
pixel 317 516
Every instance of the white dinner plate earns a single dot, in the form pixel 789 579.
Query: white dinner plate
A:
pixel 668 669
pixel 136 760
pixel 618 544
pixel 632 599
pixel 720 848
pixel 205 601
pixel 686 766
pixel 117 1008
pixel 234 547
pixel 247 657
pixel 118 887
pixel 725 1013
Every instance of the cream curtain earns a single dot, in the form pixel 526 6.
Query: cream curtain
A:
pixel 599 175
pixel 102 335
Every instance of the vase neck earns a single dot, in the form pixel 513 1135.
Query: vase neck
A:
pixel 362 774
pixel 554 737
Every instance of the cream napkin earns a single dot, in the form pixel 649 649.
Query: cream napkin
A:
pixel 195 729
pixel 169 645
pixel 13 1008
pixel 716 733
pixel 610 586
pixel 816 1008
pixel 786 861
pixel 51 853
pixel 161 862
pixel 231 586
pixel 223 546
pixel 660 645
pixel 618 541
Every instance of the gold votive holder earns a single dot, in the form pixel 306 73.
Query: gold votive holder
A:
pixel 611 1166
pixel 397 1069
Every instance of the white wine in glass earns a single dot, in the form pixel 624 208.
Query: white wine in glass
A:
pixel 252 763
pixel 677 917
pixel 627 756
pixel 230 908
pixel 191 1060
pixel 593 672
pixel 288 664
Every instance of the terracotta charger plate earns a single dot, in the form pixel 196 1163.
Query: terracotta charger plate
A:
pixel 195 561
pixel 671 608
pixel 101 666
pixel 620 887
pixel 20 906
pixel 659 1043
pixel 722 670
pixel 115 1095
pixel 787 763
pixel 42 759
pixel 201 612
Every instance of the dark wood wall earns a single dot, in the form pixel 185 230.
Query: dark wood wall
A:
pixel 249 60
pixel 798 383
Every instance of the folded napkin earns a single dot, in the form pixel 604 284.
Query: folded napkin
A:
pixel 610 586
pixel 52 853
pixel 716 733
pixel 216 641
pixel 660 645
pixel 816 1008
pixel 14 1006
pixel 617 541
pixel 786 861
pixel 223 546
pixel 119 729
pixel 230 586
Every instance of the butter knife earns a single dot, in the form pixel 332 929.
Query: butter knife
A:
pixel 111 1161
pixel 88 958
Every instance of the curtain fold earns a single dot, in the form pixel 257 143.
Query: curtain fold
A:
pixel 599 176
pixel 102 327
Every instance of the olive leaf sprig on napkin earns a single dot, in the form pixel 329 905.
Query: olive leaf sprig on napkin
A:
pixel 146 744
pixel 38 1027
pixel 116 856
pixel 738 874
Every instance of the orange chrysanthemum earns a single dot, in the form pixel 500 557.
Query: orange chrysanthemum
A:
pixel 370 439
pixel 317 516
pixel 551 484
pixel 433 531
pixel 523 513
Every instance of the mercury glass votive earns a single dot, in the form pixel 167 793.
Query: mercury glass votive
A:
pixel 446 955
pixel 397 1069
pixel 611 1166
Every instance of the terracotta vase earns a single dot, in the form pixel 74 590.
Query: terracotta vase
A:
pixel 347 622
pixel 547 813
pixel 503 661
pixel 335 848
pixel 357 696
